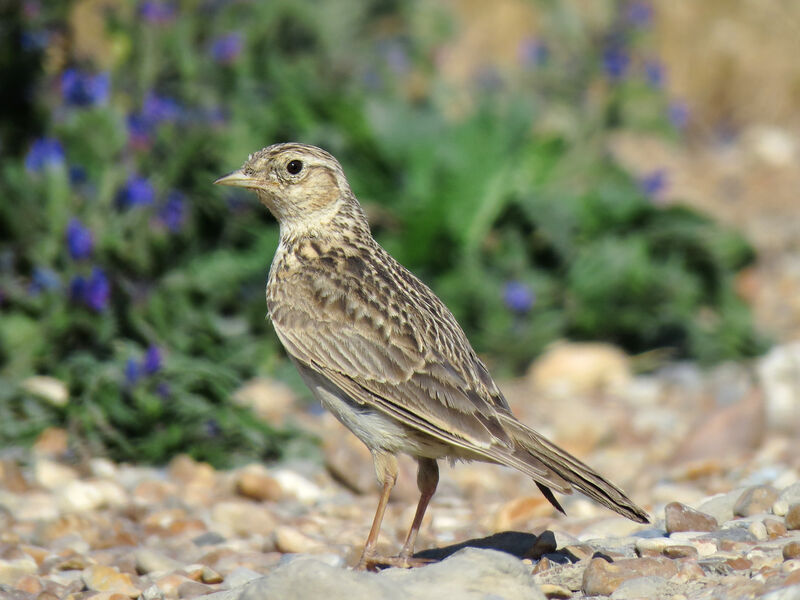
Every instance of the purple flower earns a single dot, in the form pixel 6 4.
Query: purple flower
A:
pixel 157 13
pixel 158 109
pixel 98 290
pixel 227 48
pixel 137 191
pixel 45 153
pixel 82 89
pixel 132 371
pixel 639 13
pixel 678 114
pixel 615 61
pixel 140 131
pixel 152 360
pixel 533 52
pixel 173 213
pixel 654 183
pixel 43 279
pixel 654 73
pixel 77 174
pixel 79 240
pixel 518 297
pixel 77 288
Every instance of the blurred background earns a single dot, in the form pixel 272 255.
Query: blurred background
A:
pixel 622 172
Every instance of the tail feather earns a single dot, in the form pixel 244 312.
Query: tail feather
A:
pixel 567 468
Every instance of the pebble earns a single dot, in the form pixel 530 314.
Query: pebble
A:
pixel 602 577
pixel 758 530
pixel 240 517
pixel 792 518
pixel 15 569
pixel 754 500
pixel 775 528
pixel 294 484
pixel 108 579
pixel 289 539
pixel 255 482
pixel 679 517
pixel 791 551
pixel 721 506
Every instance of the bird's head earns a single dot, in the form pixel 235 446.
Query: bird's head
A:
pixel 303 186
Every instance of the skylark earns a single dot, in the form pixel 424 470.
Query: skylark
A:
pixel 382 352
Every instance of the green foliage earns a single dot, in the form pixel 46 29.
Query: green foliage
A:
pixel 499 193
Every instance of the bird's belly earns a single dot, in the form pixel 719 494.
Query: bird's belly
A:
pixel 376 429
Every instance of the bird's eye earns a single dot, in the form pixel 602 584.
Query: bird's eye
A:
pixel 294 166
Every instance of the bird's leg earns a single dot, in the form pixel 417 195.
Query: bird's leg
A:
pixel 386 469
pixel 427 480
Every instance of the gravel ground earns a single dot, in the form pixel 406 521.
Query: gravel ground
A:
pixel 713 456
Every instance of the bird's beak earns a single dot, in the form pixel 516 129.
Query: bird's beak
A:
pixel 237 179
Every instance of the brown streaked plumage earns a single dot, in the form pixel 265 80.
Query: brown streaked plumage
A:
pixel 381 351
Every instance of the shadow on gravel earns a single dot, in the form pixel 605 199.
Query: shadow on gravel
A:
pixel 516 543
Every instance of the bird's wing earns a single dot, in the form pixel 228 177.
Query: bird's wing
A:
pixel 416 366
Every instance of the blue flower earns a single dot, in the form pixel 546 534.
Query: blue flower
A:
pixel 615 61
pixel 639 13
pixel 77 288
pixel 157 13
pixel 132 371
pixel 43 279
pixel 654 73
pixel 654 182
pixel 678 114
pixel 98 290
pixel 137 191
pixel 173 213
pixel 518 297
pixel 45 153
pixel 227 48
pixel 79 240
pixel 533 52
pixel 152 360
pixel 158 109
pixel 82 89
pixel 77 174
pixel 140 131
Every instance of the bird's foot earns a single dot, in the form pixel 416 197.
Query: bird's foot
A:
pixel 377 563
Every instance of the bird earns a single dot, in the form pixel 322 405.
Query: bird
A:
pixel 383 353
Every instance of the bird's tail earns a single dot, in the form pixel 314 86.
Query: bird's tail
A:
pixel 534 451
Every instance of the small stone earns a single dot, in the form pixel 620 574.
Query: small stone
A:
pixel 775 528
pixel 790 592
pixel 602 577
pixel 15 569
pixel 790 495
pixel 209 575
pixel 52 475
pixel 81 496
pixel 543 565
pixel 108 579
pixel 290 540
pixel 169 584
pixel 575 368
pixel 552 590
pixel 754 500
pixel 11 477
pixel 681 551
pixel 758 530
pixel 544 544
pixel 238 517
pixel 294 484
pixel 254 481
pixel 791 550
pixel 679 517
pixel 690 571
pixel 50 389
pixel 29 584
pixel 739 563
pixel 792 518
pixel 151 561
pixel 579 551
pixel 53 442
